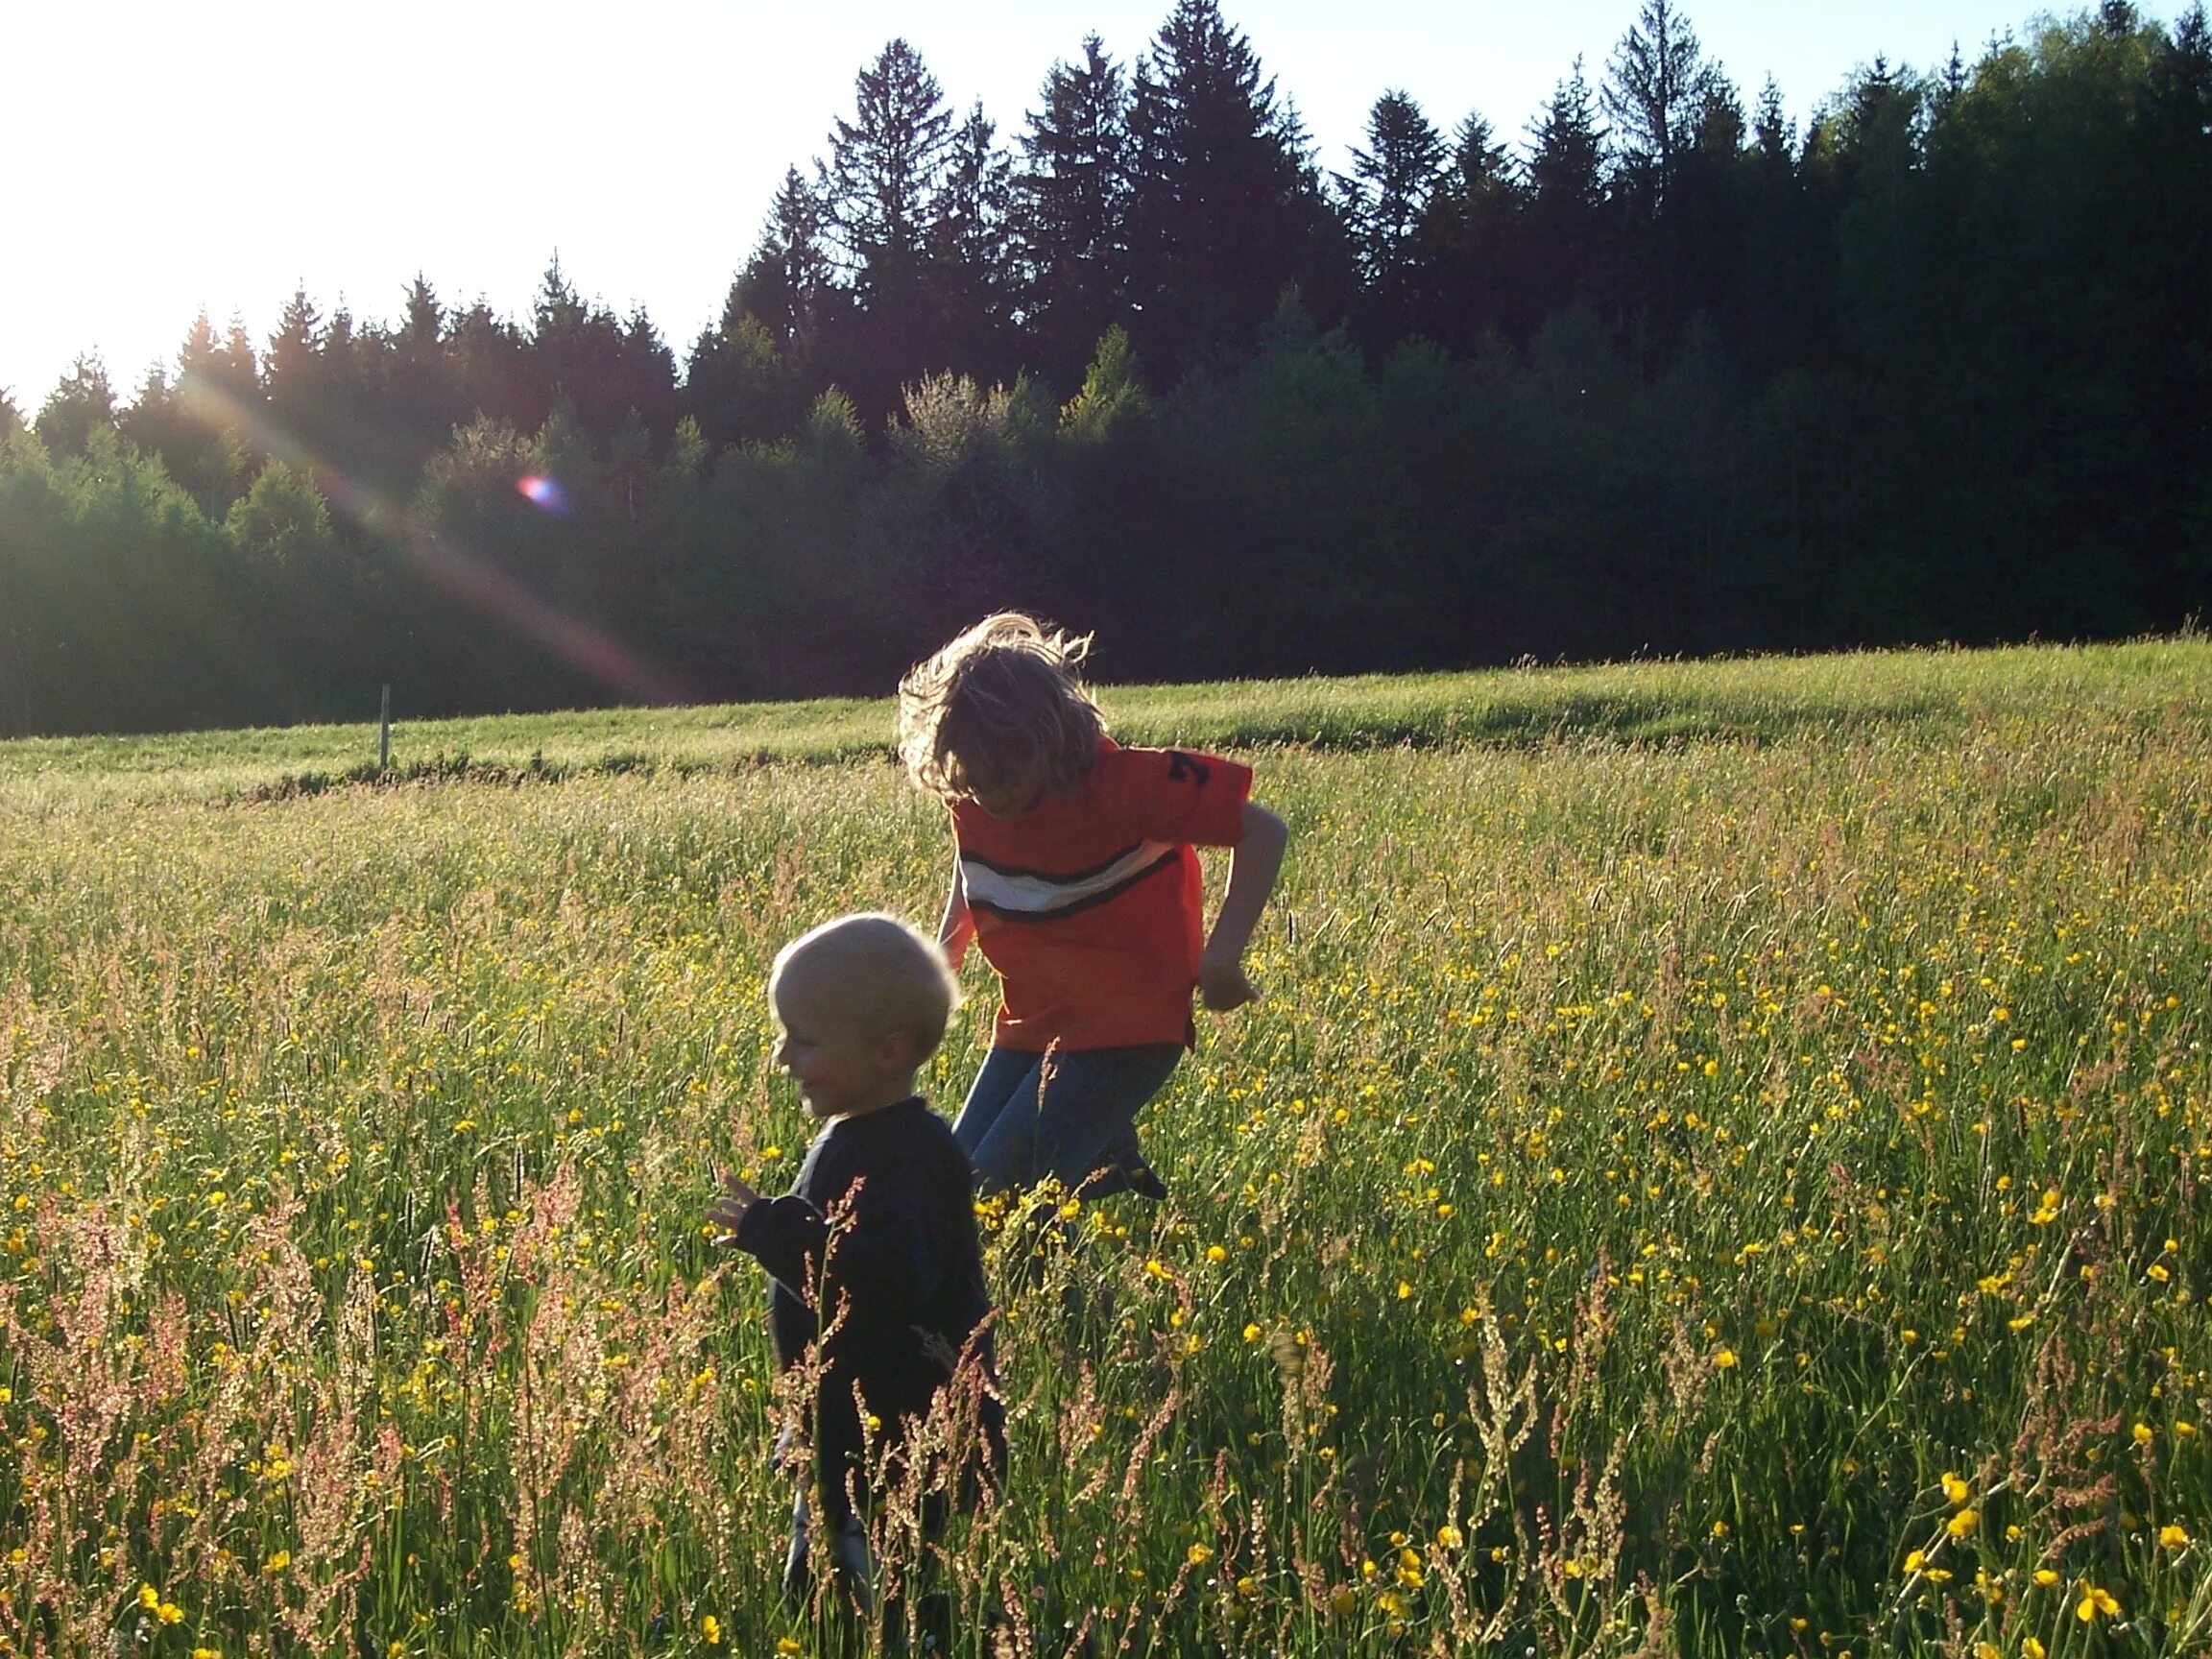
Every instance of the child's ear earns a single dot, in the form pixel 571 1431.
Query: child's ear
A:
pixel 903 1049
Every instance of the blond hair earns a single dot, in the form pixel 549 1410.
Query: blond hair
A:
pixel 1002 702
pixel 884 976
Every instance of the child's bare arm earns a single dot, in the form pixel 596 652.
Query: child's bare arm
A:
pixel 1253 866
pixel 958 926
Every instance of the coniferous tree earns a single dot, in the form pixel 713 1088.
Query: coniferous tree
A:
pixel 880 191
pixel 1655 96
pixel 1674 124
pixel 569 346
pixel 1783 309
pixel 1393 176
pixel 1071 208
pixel 971 253
pixel 194 435
pixel 421 385
pixel 1566 193
pixel 880 185
pixel 1227 208
pixel 735 389
pixel 787 282
pixel 1463 280
pixel 493 369
pixel 81 404
pixel 291 366
pixel 2172 179
pixel 233 365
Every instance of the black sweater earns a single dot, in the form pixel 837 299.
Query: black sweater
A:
pixel 889 1195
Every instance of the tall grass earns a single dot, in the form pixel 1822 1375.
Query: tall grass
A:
pixel 1731 1192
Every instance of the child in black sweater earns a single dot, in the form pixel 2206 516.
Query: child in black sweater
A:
pixel 873 1258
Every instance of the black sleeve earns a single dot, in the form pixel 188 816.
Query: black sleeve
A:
pixel 887 1252
pixel 786 1236
pixel 889 1255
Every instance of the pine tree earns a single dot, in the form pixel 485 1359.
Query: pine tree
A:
pixel 493 371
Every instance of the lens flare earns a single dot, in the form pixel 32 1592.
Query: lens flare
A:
pixel 543 494
pixel 455 569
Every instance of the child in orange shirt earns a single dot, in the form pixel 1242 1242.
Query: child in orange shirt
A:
pixel 1075 874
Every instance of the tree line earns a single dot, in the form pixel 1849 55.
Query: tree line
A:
pixel 1662 373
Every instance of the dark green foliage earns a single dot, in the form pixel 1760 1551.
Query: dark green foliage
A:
pixel 1226 207
pixel 82 404
pixel 1663 375
pixel 971 252
pixel 882 192
pixel 1071 208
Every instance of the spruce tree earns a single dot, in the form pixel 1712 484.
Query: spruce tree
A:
pixel 1071 208
pixel 1655 96
pixel 972 257
pixel 1227 209
pixel 1566 192
pixel 881 193
pixel 1392 179
pixel 81 403
pixel 880 187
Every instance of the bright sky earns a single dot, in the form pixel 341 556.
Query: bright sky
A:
pixel 170 158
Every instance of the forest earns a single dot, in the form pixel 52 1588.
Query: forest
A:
pixel 1664 374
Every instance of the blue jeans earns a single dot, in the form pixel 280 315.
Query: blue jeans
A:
pixel 1083 1130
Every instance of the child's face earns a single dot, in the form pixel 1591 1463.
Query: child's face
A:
pixel 839 1071
pixel 1003 795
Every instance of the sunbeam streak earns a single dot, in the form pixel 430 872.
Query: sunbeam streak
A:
pixel 454 570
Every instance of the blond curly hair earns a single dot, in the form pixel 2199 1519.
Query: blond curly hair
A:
pixel 1000 706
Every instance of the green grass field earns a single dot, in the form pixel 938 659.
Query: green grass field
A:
pixel 1717 1169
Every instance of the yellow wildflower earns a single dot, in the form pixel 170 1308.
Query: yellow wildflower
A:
pixel 2095 1601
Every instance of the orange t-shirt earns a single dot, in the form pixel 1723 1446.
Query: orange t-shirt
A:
pixel 1088 904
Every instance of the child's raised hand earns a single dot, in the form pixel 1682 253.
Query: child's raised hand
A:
pixel 728 1209
pixel 1224 984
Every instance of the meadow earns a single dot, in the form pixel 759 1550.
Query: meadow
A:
pixel 1717 1169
